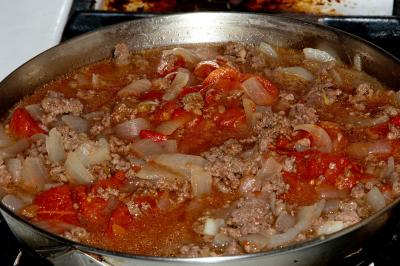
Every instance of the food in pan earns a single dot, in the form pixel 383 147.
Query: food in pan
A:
pixel 204 150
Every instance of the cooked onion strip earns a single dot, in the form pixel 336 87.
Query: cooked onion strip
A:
pixel 34 174
pixel 13 202
pixel 181 80
pixel 212 226
pixel 200 180
pixel 55 146
pixel 297 71
pixel 145 148
pixel 318 55
pixel 320 137
pixel 76 171
pixel 13 149
pixel 169 127
pixel 14 166
pixel 77 123
pixel 363 149
pixel 376 199
pixel 256 91
pixel 250 110
pixel 268 50
pixel 135 88
pixel 131 128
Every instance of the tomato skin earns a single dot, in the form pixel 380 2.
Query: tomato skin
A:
pixel 231 118
pixel 204 68
pixel 152 95
pixel 223 78
pixel 56 204
pixel 155 136
pixel 22 125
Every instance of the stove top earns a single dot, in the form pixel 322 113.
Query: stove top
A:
pixel 382 31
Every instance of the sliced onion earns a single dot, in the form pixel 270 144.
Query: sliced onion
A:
pixel 371 122
pixel 169 127
pixel 189 56
pixel 12 202
pixel 181 80
pixel 170 146
pixel 249 109
pixel 13 149
pixel 363 149
pixel 297 71
pixel 152 171
pixel 179 162
pixel 330 192
pixel 256 241
pixel 221 240
pixel 390 166
pixel 76 171
pixel 284 222
pixel 320 137
pixel 91 154
pixel 269 169
pixel 200 180
pixel 268 50
pixel 34 174
pixel 330 227
pixel 5 140
pixel 14 166
pixel 305 217
pixel 331 205
pixel 357 62
pixel 376 199
pixel 135 88
pixel 77 123
pixel 318 55
pixel 145 148
pixel 55 146
pixel 35 110
pixel 131 128
pixel 212 226
pixel 256 92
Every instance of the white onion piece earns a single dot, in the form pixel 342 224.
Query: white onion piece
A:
pixel 305 217
pixel 249 109
pixel 256 241
pixel 76 171
pixel 363 149
pixel 268 50
pixel 14 166
pixel 256 92
pixel 357 62
pixel 35 110
pixel 13 149
pixel 55 146
pixel 189 56
pixel 284 222
pixel 169 127
pixel 145 148
pixel 152 171
pixel 77 123
pixel 300 72
pixel 170 146
pixel 131 128
pixel 135 88
pixel 99 153
pixel 390 166
pixel 370 122
pixel 5 140
pixel 34 174
pixel 330 227
pixel 12 202
pixel 318 55
pixel 179 162
pixel 376 199
pixel 212 226
pixel 200 180
pixel 328 192
pixel 320 137
pixel 331 205
pixel 269 169
pixel 180 81
pixel 221 240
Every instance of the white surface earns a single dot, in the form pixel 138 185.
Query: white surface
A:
pixel 27 28
pixel 362 7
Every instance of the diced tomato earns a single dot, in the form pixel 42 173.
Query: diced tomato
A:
pixel 223 78
pixel 152 95
pixel 120 221
pixel 165 111
pixel 270 93
pixel 116 181
pixel 186 90
pixel 299 192
pixel 169 64
pixel 231 118
pixel 93 212
pixel 22 125
pixel 56 204
pixel 395 121
pixel 155 136
pixel 204 68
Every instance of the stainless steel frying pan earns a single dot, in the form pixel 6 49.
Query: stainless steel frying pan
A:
pixel 188 29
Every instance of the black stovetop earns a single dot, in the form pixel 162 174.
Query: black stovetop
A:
pixel 382 31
